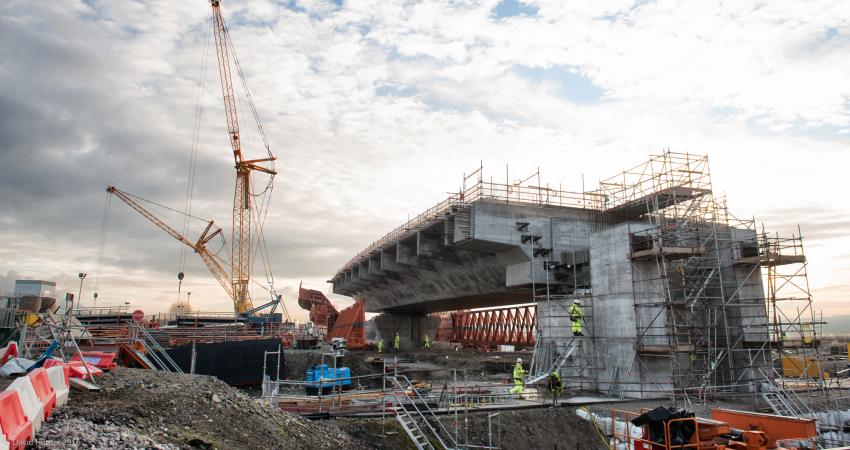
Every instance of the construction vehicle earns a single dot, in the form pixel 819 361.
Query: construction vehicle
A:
pixel 672 429
pixel 249 206
pixel 325 378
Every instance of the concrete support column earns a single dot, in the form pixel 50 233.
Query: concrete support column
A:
pixel 411 328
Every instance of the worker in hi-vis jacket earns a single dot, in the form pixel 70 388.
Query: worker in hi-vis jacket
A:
pixel 576 317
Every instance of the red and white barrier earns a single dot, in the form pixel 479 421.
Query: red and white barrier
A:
pixel 103 360
pixel 44 390
pixel 59 381
pixel 66 368
pixel 30 403
pixel 16 429
pixel 29 400
pixel 9 351
pixel 78 371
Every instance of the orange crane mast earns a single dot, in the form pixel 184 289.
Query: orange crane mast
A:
pixel 241 238
pixel 236 282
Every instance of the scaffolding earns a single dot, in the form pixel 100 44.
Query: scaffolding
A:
pixel 698 304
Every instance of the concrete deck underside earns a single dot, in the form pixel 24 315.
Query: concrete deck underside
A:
pixel 471 258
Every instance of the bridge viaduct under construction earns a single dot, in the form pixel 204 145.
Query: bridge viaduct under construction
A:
pixel 677 292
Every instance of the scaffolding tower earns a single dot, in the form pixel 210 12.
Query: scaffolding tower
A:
pixel 698 303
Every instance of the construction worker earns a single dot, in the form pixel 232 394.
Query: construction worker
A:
pixel 556 386
pixel 380 345
pixel 427 342
pixel 396 342
pixel 519 372
pixel 576 317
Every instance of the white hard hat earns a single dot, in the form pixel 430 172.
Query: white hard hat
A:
pixel 519 360
pixel 577 301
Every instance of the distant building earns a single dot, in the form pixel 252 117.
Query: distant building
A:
pixel 37 288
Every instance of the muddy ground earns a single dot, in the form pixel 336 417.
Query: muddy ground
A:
pixel 543 428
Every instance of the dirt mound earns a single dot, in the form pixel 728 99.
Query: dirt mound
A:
pixel 544 428
pixel 137 407
pixel 549 428
pixel 370 434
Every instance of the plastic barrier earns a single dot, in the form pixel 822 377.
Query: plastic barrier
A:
pixel 66 369
pixel 58 380
pixel 29 401
pixel 9 351
pixel 17 430
pixel 103 360
pixel 44 390
pixel 78 371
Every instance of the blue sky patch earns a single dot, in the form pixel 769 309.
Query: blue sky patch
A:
pixel 511 8
pixel 572 85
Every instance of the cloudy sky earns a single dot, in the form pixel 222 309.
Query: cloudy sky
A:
pixel 375 109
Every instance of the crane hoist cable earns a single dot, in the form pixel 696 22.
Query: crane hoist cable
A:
pixel 101 245
pixel 193 155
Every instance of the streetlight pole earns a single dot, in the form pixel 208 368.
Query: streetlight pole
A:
pixel 82 276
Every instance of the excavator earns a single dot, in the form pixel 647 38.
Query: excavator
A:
pixel 249 206
pixel 676 429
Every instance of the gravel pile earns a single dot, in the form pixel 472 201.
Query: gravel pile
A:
pixel 148 409
pixel 80 433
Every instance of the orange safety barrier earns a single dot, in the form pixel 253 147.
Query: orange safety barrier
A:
pixel 66 368
pixel 103 360
pixel 44 390
pixel 16 427
pixel 78 371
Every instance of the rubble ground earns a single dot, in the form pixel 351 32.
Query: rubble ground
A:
pixel 549 428
pixel 150 409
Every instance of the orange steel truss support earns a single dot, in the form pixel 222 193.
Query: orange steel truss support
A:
pixel 351 326
pixel 504 326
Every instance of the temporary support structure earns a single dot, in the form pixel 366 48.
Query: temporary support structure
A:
pixel 322 312
pixel 502 326
pixel 351 325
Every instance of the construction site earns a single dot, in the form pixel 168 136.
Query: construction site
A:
pixel 640 313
